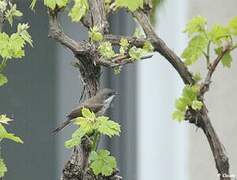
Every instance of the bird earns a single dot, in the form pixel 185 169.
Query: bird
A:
pixel 98 104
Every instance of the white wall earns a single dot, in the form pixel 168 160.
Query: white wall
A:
pixel 162 142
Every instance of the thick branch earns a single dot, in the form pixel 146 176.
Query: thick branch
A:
pixel 56 33
pixel 162 48
pixel 201 119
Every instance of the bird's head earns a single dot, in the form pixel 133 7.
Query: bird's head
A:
pixel 107 95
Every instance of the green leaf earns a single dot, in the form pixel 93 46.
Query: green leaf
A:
pixel 138 33
pixel 5 135
pixel 4 119
pixel 136 53
pixel 148 47
pixel 190 93
pixel 123 45
pixel 106 126
pixel 3 6
pixel 61 3
pixel 76 138
pixel 195 25
pixel 219 33
pixel 85 124
pixel 197 105
pixel 32 5
pixel 233 26
pixel 95 35
pixel 50 3
pixel 178 115
pixel 195 49
pixel 22 31
pixel 11 13
pixel 197 77
pixel 181 104
pixel 88 114
pixel 132 5
pixel 3 80
pixel 106 50
pixel 102 162
pixel 79 10
pixel 3 168
pixel 226 59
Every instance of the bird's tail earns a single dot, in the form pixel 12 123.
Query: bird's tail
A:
pixel 63 125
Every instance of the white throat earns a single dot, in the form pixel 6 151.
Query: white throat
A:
pixel 106 106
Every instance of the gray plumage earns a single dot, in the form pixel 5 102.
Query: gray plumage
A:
pixel 98 104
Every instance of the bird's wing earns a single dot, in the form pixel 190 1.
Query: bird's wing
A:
pixel 77 111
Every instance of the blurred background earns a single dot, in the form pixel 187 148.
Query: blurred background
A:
pixel 44 87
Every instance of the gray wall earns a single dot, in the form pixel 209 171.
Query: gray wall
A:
pixel 29 98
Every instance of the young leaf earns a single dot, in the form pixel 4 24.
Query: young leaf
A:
pixel 148 47
pixel 4 119
pixel 11 13
pixel 226 59
pixel 52 3
pixel 3 6
pixel 32 5
pixel 195 49
pixel 136 53
pixel 95 35
pixel 132 5
pixel 219 33
pixel 88 114
pixel 233 26
pixel 102 162
pixel 3 168
pixel 181 104
pixel 123 45
pixel 3 79
pixel 79 10
pixel 197 105
pixel 76 138
pixel 178 115
pixel 196 25
pixel 197 77
pixel 22 31
pixel 106 126
pixel 106 50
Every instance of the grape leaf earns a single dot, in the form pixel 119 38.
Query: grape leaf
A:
pixel 102 162
pixel 195 49
pixel 197 105
pixel 106 126
pixel 195 25
pixel 219 33
pixel 52 3
pixel 76 138
pixel 95 35
pixel 106 50
pixel 3 168
pixel 11 13
pixel 136 53
pixel 3 79
pixel 178 115
pixel 79 10
pixel 4 119
pixel 233 26
pixel 226 59
pixel 132 5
